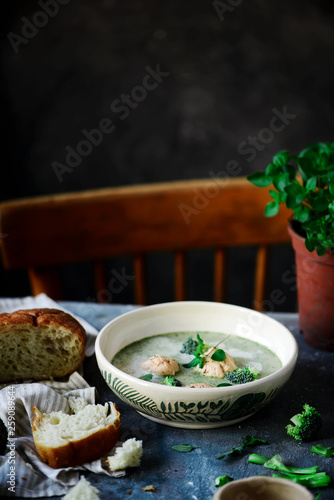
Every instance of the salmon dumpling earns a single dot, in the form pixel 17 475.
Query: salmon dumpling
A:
pixel 213 368
pixel 160 365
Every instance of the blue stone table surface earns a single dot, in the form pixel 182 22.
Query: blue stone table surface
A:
pixel 192 475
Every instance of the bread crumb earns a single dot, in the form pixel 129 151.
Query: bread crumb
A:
pixel 128 455
pixel 150 488
pixel 83 490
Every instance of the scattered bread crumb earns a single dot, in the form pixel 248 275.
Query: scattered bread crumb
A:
pixel 150 488
pixel 127 455
pixel 83 490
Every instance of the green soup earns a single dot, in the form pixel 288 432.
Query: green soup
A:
pixel 244 352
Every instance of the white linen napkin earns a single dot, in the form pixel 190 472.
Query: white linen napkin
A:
pixel 42 300
pixel 33 478
pixel 22 472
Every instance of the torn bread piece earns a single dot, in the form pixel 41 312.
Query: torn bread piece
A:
pixel 83 490
pixel 127 455
pixel 67 440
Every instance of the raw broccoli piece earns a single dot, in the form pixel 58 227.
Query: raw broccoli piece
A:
pixel 221 480
pixel 307 424
pixel 276 463
pixel 326 451
pixel 308 476
pixel 318 480
pixel 3 437
pixel 169 380
pixel 189 346
pixel 242 375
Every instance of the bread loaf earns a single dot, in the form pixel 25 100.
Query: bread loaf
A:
pixel 64 440
pixel 39 344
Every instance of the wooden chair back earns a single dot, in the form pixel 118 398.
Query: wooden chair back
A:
pixel 44 232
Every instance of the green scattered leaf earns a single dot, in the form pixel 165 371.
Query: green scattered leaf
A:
pixel 184 448
pixel 147 377
pixel 222 480
pixel 237 450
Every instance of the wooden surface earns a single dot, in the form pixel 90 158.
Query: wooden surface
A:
pixel 175 216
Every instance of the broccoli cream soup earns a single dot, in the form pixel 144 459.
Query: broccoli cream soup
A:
pixel 243 351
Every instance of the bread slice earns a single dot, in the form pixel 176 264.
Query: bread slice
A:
pixel 64 440
pixel 39 344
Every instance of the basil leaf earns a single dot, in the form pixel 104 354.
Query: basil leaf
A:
pixel 147 377
pixel 218 355
pixel 311 183
pixel 260 179
pixel 184 448
pixel 192 363
pixel 271 209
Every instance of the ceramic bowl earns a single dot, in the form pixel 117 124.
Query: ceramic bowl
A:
pixel 263 488
pixel 182 406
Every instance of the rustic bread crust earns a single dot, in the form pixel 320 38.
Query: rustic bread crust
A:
pixel 80 451
pixel 37 321
pixel 44 316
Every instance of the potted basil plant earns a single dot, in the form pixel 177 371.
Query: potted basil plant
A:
pixel 305 183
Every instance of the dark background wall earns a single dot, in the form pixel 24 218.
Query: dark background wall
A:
pixel 228 68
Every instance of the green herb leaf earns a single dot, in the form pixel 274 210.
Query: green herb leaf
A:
pixel 271 209
pixel 219 355
pixel 221 480
pixel 184 448
pixel 225 384
pixel 326 451
pixel 237 450
pixel 194 362
pixel 281 158
pixel 260 179
pixel 147 377
pixel 311 183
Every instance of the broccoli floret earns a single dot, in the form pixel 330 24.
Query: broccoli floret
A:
pixel 169 380
pixel 307 424
pixel 3 437
pixel 189 346
pixel 242 375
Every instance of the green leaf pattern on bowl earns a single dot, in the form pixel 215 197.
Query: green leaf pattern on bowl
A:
pixel 203 411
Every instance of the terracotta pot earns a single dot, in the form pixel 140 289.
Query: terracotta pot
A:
pixel 315 289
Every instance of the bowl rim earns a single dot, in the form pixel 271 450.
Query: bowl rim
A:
pixel 295 487
pixel 196 390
